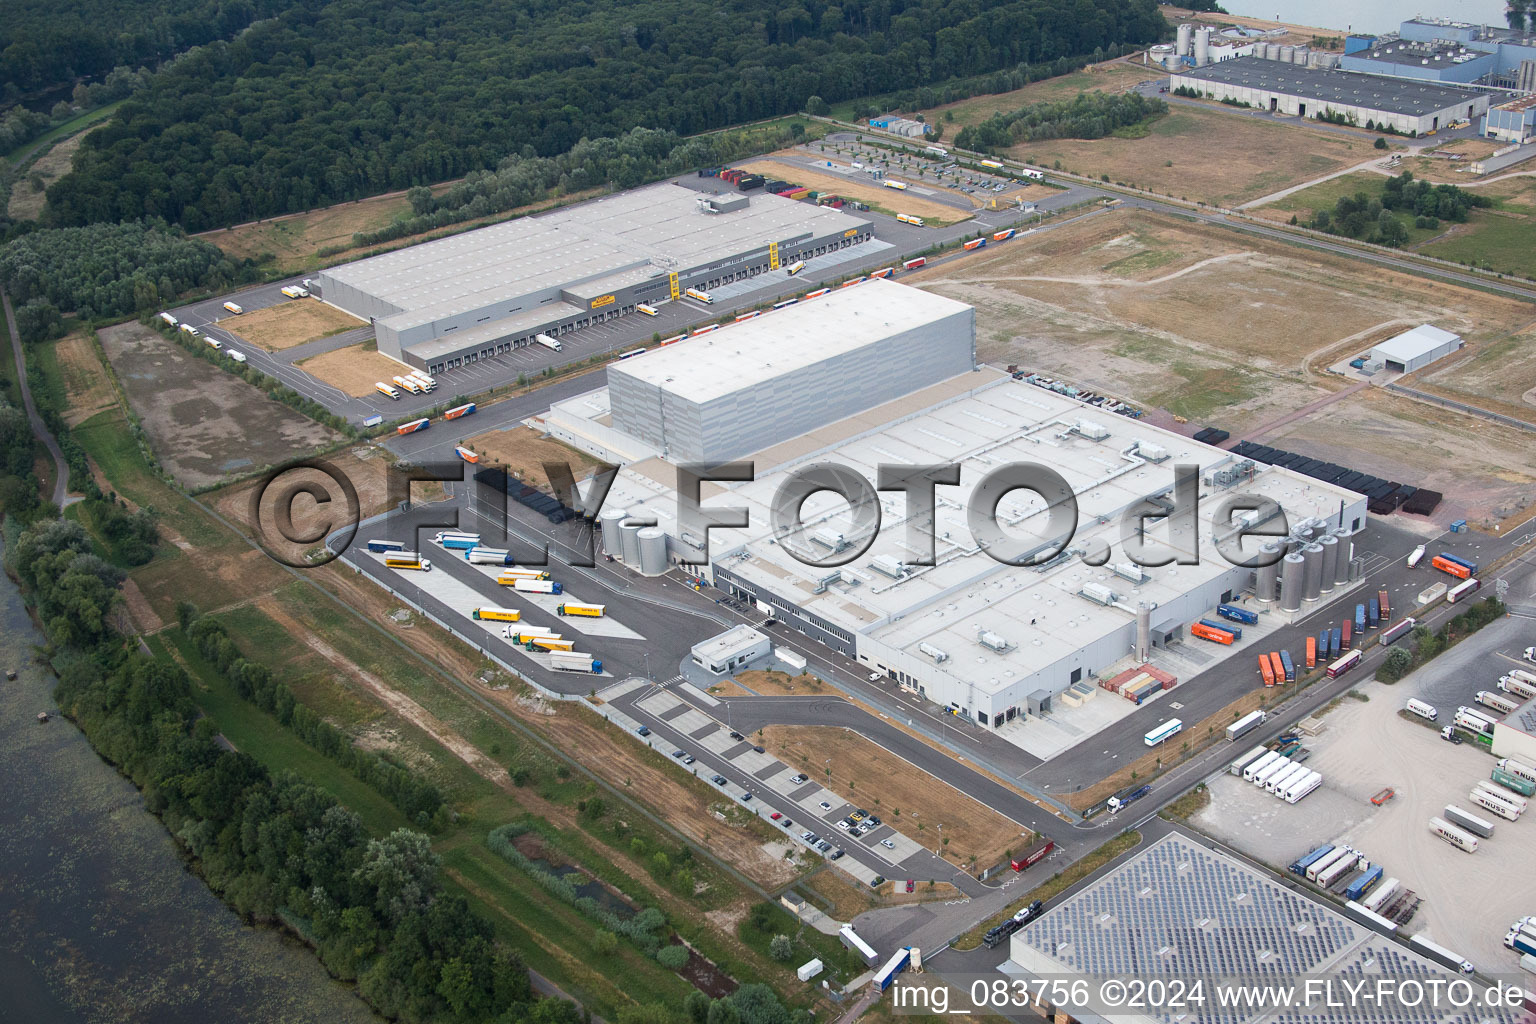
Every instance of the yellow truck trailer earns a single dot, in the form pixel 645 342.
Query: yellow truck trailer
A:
pixel 594 611
pixel 496 614
pixel 407 561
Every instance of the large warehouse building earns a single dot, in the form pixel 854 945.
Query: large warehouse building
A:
pixel 989 640
pixel 1180 909
pixel 1406 105
pixel 476 295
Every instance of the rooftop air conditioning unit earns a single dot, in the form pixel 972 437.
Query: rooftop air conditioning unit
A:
pixel 991 640
pixel 889 566
pixel 1098 593
pixel 938 656
pixel 826 581
pixel 829 539
pixel 1129 571
pixel 1151 452
pixel 1092 430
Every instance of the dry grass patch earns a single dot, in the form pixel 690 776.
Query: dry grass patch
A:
pixel 868 775
pixel 523 451
pixel 354 370
pixel 1108 77
pixel 848 899
pixel 26 202
pixel 857 186
pixel 290 323
pixel 781 684
pixel 86 384
pixel 1206 154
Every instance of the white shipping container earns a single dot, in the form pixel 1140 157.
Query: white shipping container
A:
pixel 1253 769
pixel 1301 787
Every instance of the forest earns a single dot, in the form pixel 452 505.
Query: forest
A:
pixel 324 104
pixel 1088 115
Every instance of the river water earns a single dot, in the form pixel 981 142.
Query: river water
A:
pixel 99 920
pixel 1371 17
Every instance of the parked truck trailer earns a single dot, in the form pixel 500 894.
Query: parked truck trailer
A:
pixel 1245 725
pixel 570 661
pixel 1466 819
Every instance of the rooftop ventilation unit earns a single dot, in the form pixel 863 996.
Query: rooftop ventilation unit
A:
pixel 889 566
pixel 938 656
pixel 1129 571
pixel 1092 430
pixel 830 539
pixel 991 640
pixel 1098 593
pixel 826 581
pixel 1151 452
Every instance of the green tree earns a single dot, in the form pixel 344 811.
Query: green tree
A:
pixel 673 958
pixel 817 106
pixel 401 869
pixel 604 942
pixel 781 948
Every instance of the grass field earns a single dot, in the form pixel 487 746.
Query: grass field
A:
pixel 1206 155
pixel 27 202
pixel 355 369
pixel 1112 78
pixel 86 387
pixel 915 803
pixel 291 323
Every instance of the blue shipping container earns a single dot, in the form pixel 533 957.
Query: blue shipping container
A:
pixel 1375 613
pixel 1300 867
pixel 1357 888
pixel 1335 642
pixel 1359 619
pixel 1237 634
pixel 1290 666
pixel 385 545
pixel 1242 615
pixel 1471 566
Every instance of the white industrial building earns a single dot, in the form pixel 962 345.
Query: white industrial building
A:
pixel 989 640
pixel 1407 105
pixel 732 649
pixel 1415 349
pixel 1515 735
pixel 485 292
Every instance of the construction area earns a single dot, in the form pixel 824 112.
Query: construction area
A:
pixel 290 323
pixel 204 424
pixel 354 369
pixel 1365 747
pixel 1216 327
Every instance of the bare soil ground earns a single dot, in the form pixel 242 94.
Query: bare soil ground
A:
pixel 852 187
pixel 849 900
pixel 1206 154
pixel 1498 375
pixel 85 380
pixel 27 203
pixel 203 423
pixel 296 241
pixel 523 451
pixel 1111 77
pixel 1294 32
pixel 290 323
pixel 869 775
pixel 1486 472
pixel 355 369
pixel 1208 324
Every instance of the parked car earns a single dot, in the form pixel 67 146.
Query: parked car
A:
pixel 678 753
pixel 643 730
pixel 836 853
pixel 745 797
pixel 775 816
pixel 807 835
pixel 719 780
pixel 887 844
pixel 911 885
pixel 826 806
pixel 800 778
pixel 844 826
pixel 823 846
pixel 786 823
pixel 877 881
pixel 760 750
pixel 872 820
pixel 735 735
pixel 689 759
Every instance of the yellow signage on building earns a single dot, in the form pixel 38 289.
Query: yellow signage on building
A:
pixel 850 232
pixel 602 300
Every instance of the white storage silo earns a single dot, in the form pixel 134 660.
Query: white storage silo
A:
pixel 608 520
pixel 1271 51
pixel 1287 54
pixel 629 541
pixel 1299 55
pixel 1264 585
pixel 1186 31
pixel 652 542
pixel 1312 587
pixel 1202 46
pixel 1346 553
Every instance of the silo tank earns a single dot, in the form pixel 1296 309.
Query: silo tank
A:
pixel 1186 31
pixel 652 543
pixel 1287 54
pixel 608 520
pixel 1330 545
pixel 1143 631
pixel 1292 582
pixel 1266 575
pixel 1346 553
pixel 1299 55
pixel 1202 47
pixel 629 541
pixel 1312 555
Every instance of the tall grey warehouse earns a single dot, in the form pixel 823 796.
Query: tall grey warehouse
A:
pixel 488 291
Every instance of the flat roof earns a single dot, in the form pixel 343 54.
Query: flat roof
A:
pixel 1410 345
pixel 1374 92
pixel 980 421
pixel 1179 908
pixel 495 330
pixel 785 340
pixel 645 232
pixel 723 645
pixel 1421 55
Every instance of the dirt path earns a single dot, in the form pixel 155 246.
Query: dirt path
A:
pixel 1306 360
pixel 1100 281
pixel 397 702
pixel 1302 413
pixel 1370 165
pixel 60 496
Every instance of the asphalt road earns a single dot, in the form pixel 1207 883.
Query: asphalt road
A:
pixel 39 428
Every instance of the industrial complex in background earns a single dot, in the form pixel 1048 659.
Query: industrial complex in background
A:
pixel 528 281
pixel 993 642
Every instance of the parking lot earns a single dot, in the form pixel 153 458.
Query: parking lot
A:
pixel 1468 900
